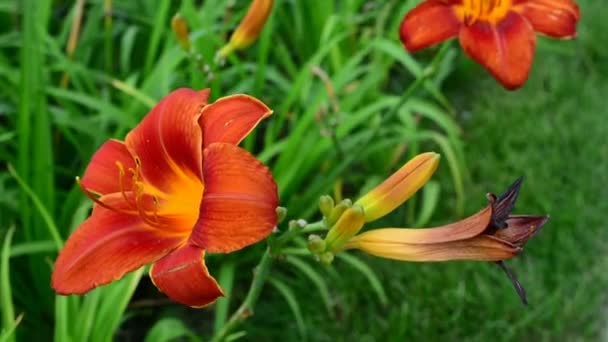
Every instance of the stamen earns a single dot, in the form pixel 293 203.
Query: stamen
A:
pixel 121 175
pixel 484 10
pixel 136 205
pixel 90 195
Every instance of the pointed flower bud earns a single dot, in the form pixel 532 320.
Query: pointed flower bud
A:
pixel 337 211
pixel 349 224
pixel 249 29
pixel 180 27
pixel 399 187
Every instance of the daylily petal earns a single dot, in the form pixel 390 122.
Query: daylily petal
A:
pixel 239 203
pixel 183 276
pixel 429 23
pixel 461 230
pixel 505 50
pixel 105 247
pixel 399 187
pixel 102 176
pixel 555 18
pixel 520 228
pixel 483 248
pixel 168 140
pixel 231 118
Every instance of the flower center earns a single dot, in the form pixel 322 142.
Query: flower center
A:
pixel 492 11
pixel 174 210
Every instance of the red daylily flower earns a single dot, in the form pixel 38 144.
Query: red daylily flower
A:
pixel 498 34
pixel 177 187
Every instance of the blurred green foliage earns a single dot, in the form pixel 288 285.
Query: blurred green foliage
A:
pixel 334 73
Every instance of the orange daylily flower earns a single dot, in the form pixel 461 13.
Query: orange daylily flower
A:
pixel 176 188
pixel 493 234
pixel 498 34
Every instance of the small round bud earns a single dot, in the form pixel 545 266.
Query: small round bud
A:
pixel 326 258
pixel 316 244
pixel 281 214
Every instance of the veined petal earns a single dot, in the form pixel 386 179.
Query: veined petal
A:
pixel 461 230
pixel 555 18
pixel 103 175
pixel 482 248
pixel 183 276
pixel 168 141
pixel 105 247
pixel 431 22
pixel 231 118
pixel 400 186
pixel 521 228
pixel 505 50
pixel 239 203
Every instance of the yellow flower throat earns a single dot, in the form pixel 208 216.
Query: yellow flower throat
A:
pixel 492 11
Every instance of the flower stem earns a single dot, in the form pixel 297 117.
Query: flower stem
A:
pixel 246 309
pixel 260 275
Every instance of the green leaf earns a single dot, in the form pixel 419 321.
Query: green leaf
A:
pixel 316 278
pixel 6 310
pixel 430 199
pixel 168 329
pixel 362 267
pixel 291 300
pixel 222 305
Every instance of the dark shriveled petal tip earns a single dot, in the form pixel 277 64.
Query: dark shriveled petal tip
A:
pixel 503 205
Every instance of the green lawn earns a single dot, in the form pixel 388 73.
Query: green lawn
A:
pixel 334 74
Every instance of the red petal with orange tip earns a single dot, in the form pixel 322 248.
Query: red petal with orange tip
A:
pixel 239 203
pixel 102 175
pixel 431 22
pixel 555 18
pixel 105 247
pixel 231 118
pixel 168 140
pixel 183 276
pixel 505 50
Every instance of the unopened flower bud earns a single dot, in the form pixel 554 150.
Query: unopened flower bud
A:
pixel 180 27
pixel 349 224
pixel 326 205
pixel 281 214
pixel 400 186
pixel 337 211
pixel 249 29
pixel 326 258
pixel 316 244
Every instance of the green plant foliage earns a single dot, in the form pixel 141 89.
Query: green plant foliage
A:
pixel 350 107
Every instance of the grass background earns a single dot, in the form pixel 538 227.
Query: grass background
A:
pixel 333 72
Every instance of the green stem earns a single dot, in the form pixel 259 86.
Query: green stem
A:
pixel 261 272
pixel 246 309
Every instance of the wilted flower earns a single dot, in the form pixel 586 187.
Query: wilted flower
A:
pixel 498 34
pixel 177 187
pixel 250 27
pixel 493 234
